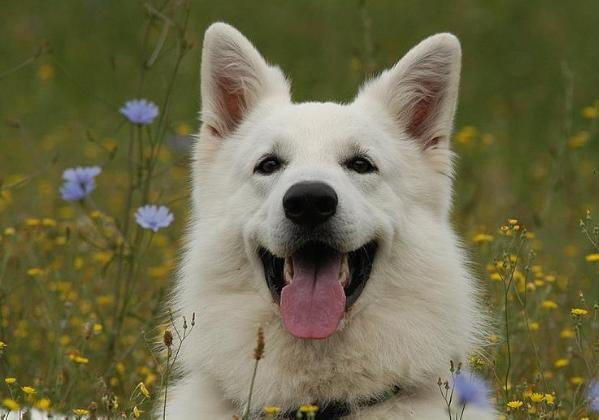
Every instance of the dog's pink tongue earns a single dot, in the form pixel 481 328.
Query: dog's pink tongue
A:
pixel 314 303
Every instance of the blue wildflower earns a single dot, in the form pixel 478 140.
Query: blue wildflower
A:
pixel 140 111
pixel 153 217
pixel 472 390
pixel 79 182
pixel 593 396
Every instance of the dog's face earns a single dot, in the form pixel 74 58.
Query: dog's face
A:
pixel 322 192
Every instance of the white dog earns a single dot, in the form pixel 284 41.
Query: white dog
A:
pixel 327 225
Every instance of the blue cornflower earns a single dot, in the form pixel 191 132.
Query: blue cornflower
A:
pixel 593 396
pixel 79 182
pixel 471 389
pixel 153 217
pixel 140 111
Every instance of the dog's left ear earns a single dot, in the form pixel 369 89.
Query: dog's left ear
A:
pixel 421 90
pixel 235 79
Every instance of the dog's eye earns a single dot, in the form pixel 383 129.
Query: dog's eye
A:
pixel 360 165
pixel 268 165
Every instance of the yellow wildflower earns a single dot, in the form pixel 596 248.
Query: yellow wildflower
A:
pixel 80 411
pixel 48 222
pixel 35 272
pixel 144 390
pixel 515 404
pixel 2 344
pixel 97 328
pixel 592 258
pixel 32 222
pixel 567 333
pixel 549 304
pixel 549 399
pixel 80 360
pixel 512 221
pixel 43 404
pixel 578 311
pixel 560 363
pixel 136 412
pixel 537 397
pixel 481 238
pixel 534 326
pixel 78 263
pixel 11 404
pixel 271 410
pixel 183 129
pixel 9 231
pixel 579 139
pixel 466 134
pixel 590 112
pixel 577 380
pixel 45 72
pixel 308 408
pixel 495 277
pixel 29 390
pixel 10 380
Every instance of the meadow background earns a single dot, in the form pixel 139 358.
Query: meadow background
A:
pixel 81 284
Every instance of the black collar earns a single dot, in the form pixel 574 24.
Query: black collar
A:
pixel 335 410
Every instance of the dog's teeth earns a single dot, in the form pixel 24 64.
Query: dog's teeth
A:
pixel 288 270
pixel 344 271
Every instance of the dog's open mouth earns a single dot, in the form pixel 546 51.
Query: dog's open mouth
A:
pixel 316 285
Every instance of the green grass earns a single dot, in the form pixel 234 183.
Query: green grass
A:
pixel 529 70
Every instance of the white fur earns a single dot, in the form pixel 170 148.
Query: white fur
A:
pixel 419 309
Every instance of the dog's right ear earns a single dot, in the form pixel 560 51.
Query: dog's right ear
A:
pixel 235 78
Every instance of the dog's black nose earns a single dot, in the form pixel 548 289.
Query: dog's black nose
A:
pixel 310 203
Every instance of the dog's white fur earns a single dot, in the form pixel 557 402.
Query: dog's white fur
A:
pixel 419 309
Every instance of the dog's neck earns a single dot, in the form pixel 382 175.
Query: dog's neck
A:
pixel 335 410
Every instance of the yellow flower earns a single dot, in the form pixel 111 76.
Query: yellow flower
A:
pixel 48 222
pixel 35 272
pixel 271 410
pixel 534 326
pixel 97 328
pixel 78 263
pixel 2 344
pixel 144 390
pixel 592 258
pixel 9 231
pixel 515 404
pixel 136 412
pixel 579 139
pixel 512 221
pixel 32 222
pixel 80 360
pixel 80 411
pixel 11 404
pixel 549 304
pixel 590 112
pixel 495 277
pixel 579 311
pixel 577 380
pixel 560 363
pixel 29 390
pixel 567 333
pixel 43 404
pixel 537 397
pixel 308 408
pixel 10 380
pixel 45 72
pixel 549 399
pixel 183 129
pixel 481 238
pixel 466 134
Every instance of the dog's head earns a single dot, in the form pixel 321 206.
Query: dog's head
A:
pixel 322 193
